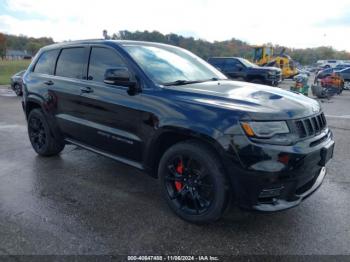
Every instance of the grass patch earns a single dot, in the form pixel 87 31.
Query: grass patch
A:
pixel 9 68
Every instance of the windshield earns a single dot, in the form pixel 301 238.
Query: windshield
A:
pixel 167 64
pixel 247 63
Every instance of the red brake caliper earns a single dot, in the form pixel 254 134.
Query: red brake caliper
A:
pixel 179 170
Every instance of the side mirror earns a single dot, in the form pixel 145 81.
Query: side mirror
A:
pixel 118 76
pixel 121 76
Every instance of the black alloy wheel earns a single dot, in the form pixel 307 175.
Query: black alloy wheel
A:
pixel 189 185
pixel 193 182
pixel 37 133
pixel 42 140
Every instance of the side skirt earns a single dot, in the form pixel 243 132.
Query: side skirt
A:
pixel 95 150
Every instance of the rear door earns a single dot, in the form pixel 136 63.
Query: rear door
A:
pixel 41 76
pixel 111 116
pixel 65 89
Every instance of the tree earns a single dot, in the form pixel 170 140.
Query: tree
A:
pixel 3 43
pixel 24 43
pixel 233 47
pixel 32 47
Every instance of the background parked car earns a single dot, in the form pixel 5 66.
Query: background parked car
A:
pixel 341 66
pixel 241 69
pixel 323 73
pixel 16 82
pixel 345 75
pixel 334 81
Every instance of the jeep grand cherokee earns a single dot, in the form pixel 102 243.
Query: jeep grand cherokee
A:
pixel 162 109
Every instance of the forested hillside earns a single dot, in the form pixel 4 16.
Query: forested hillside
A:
pixel 233 47
pixel 204 49
pixel 30 44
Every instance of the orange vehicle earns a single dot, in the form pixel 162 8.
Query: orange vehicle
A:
pixel 333 80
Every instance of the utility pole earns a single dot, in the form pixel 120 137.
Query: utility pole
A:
pixel 105 35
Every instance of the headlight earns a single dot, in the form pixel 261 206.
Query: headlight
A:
pixel 271 73
pixel 265 129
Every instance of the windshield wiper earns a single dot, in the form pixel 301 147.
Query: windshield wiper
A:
pixel 181 82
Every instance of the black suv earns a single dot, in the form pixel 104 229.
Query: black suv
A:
pixel 241 69
pixel 162 109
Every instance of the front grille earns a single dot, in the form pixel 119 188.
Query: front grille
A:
pixel 310 126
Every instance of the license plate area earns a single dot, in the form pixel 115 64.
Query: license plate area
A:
pixel 326 154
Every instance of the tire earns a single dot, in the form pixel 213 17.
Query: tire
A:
pixel 193 182
pixel 17 89
pixel 40 136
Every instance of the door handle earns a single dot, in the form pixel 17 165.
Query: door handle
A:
pixel 86 90
pixel 49 83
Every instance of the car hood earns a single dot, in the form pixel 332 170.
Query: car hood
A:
pixel 254 101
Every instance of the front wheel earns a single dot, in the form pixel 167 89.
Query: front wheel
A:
pixel 193 182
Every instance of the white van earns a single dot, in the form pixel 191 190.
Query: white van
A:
pixel 329 63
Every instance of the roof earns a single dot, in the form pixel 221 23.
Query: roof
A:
pixel 103 41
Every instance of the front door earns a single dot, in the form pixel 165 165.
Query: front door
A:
pixel 111 116
pixel 234 69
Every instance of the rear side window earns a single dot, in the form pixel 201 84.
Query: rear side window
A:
pixel 101 59
pixel 231 64
pixel 46 62
pixel 217 62
pixel 70 62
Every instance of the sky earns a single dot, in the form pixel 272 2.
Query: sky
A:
pixel 305 23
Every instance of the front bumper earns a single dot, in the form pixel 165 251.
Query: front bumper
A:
pixel 275 178
pixel 274 80
pixel 282 204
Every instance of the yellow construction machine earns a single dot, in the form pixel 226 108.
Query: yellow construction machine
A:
pixel 264 56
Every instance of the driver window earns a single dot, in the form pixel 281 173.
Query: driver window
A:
pixel 101 59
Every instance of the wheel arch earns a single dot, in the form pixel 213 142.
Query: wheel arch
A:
pixel 168 137
pixel 36 102
pixel 33 102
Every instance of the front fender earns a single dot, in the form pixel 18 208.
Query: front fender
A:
pixel 214 139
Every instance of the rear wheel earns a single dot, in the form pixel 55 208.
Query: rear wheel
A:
pixel 43 142
pixel 193 182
